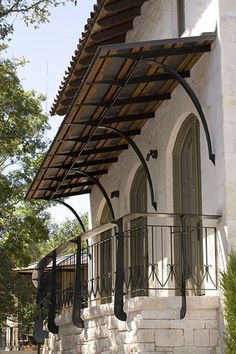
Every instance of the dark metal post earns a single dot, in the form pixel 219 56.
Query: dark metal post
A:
pixel 77 297
pixel 184 266
pixel 52 327
pixel 118 301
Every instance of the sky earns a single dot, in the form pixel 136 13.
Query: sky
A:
pixel 48 51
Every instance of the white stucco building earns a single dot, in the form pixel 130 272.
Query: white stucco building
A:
pixel 158 78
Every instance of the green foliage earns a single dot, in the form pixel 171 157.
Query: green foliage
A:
pixel 228 284
pixel 17 295
pixel 62 233
pixel 23 226
pixel 32 12
pixel 22 128
pixel 22 123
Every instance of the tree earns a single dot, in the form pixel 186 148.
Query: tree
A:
pixel 32 12
pixel 22 225
pixel 62 233
pixel 22 128
pixel 17 295
pixel 228 284
pixel 26 231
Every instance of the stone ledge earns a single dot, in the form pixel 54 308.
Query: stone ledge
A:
pixel 97 311
pixel 172 324
pixel 171 303
pixel 193 350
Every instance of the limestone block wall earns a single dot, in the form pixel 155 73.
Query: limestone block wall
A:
pixel 152 326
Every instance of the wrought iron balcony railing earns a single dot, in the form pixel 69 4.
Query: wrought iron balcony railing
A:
pixel 142 255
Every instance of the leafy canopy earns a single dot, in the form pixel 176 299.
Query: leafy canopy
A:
pixel 26 232
pixel 62 233
pixel 23 226
pixel 32 12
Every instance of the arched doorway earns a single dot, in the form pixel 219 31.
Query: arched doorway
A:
pixel 138 235
pixel 188 200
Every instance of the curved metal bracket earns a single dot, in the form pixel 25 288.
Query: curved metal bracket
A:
pixel 119 292
pixel 73 211
pixel 101 189
pixel 77 298
pixel 37 278
pixel 77 321
pixel 192 96
pixel 141 158
pixel 52 327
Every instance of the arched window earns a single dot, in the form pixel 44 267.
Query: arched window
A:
pixel 138 235
pixel 187 200
pixel 138 192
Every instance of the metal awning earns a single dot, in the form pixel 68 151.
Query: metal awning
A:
pixel 123 87
pixel 108 23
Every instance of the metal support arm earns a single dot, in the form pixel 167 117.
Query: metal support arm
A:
pixel 104 193
pixel 140 156
pixel 193 98
pixel 73 211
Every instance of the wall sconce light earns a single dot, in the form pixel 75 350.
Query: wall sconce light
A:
pixel 153 154
pixel 115 194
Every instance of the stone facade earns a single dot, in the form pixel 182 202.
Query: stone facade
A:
pixel 153 326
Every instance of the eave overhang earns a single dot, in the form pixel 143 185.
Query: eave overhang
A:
pixel 108 23
pixel 122 89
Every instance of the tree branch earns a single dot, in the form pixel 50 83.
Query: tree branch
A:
pixel 16 9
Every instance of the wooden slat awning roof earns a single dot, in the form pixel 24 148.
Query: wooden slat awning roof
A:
pixel 121 89
pixel 108 23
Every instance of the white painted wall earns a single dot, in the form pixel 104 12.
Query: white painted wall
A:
pixel 227 25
